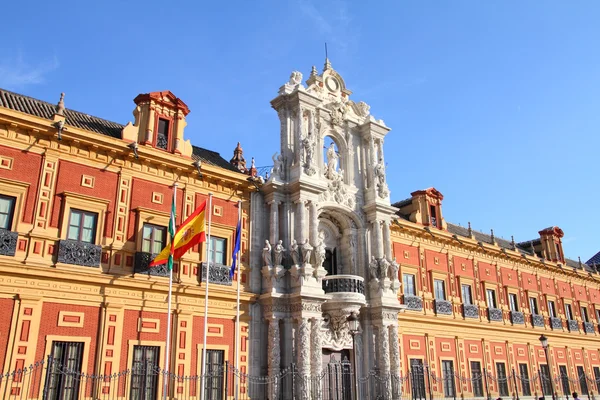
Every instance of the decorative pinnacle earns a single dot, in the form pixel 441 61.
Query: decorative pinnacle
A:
pixel 532 248
pixel 60 107
pixel 313 71
pixel 579 258
pixel 512 242
pixel 327 64
pixel 492 237
pixel 470 230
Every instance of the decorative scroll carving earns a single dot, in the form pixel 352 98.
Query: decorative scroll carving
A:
pixel 573 325
pixel 344 285
pixel 413 303
pixel 142 262
pixel 218 273
pixel 537 320
pixel 495 314
pixel 303 346
pixel 8 242
pixel 588 327
pixel 443 307
pixel 336 191
pixel 556 323
pixel 517 317
pixel 470 311
pixel 384 361
pixel 336 333
pixel 316 350
pixel 79 253
pixel 305 306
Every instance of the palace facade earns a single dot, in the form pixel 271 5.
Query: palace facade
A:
pixel 349 294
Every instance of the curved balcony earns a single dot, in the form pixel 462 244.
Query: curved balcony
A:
pixel 344 284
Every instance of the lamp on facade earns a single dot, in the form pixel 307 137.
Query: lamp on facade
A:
pixel 544 342
pixel 354 328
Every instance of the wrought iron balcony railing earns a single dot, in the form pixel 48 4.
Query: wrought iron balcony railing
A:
pixel 8 242
pixel 217 273
pixel 517 317
pixel 556 323
pixel 413 302
pixel 443 307
pixel 573 325
pixel 588 327
pixel 537 320
pixel 344 284
pixel 142 262
pixel 495 314
pixel 470 311
pixel 79 253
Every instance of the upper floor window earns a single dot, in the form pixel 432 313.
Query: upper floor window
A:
pixel 491 298
pixel 551 308
pixel 408 281
pixel 330 263
pixel 153 238
pixel 568 312
pixel 82 226
pixel 7 208
pixel 217 250
pixel 533 306
pixel 598 316
pixel 467 296
pixel 162 134
pixel 584 314
pixel 439 289
pixel 433 215
pixel 513 302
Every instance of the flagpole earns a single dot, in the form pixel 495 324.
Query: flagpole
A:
pixel 203 361
pixel 170 264
pixel 237 315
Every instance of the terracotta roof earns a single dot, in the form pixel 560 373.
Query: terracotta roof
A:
pixel 42 109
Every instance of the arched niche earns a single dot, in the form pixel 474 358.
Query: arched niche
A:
pixel 340 148
pixel 340 229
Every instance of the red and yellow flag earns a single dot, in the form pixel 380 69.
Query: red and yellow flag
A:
pixel 189 234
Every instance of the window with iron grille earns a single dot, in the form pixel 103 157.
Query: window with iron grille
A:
pixel 213 385
pixel 597 378
pixel 82 226
pixel 162 134
pixel 448 371
pixel 144 373
pixel 408 281
pixel 545 378
pixel 502 379
pixel 64 369
pixel 582 380
pixel 524 378
pixel 153 238
pixel 564 379
pixel 218 246
pixel 7 209
pixel 477 378
pixel 417 379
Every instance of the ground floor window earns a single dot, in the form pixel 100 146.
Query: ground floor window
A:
pixel 564 380
pixel 448 376
pixel 545 378
pixel 417 379
pixel 582 380
pixel 144 373
pixel 477 378
pixel 524 378
pixel 502 379
pixel 64 368
pixel 213 386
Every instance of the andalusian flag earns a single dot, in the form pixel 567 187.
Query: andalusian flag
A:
pixel 189 234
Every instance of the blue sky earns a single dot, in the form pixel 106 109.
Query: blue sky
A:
pixel 494 103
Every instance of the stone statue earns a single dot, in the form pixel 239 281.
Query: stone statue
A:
pixel 277 170
pixel 382 189
pixel 332 162
pixel 306 252
pixel 266 253
pixel 279 250
pixel 295 78
pixel 383 268
pixel 394 267
pixel 320 251
pixel 374 268
pixel 295 252
pixel 308 147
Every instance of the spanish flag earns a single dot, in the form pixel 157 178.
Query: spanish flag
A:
pixel 189 234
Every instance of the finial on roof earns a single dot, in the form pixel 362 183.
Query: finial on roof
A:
pixel 327 63
pixel 313 71
pixel 60 107
pixel 470 230
pixel 492 237
pixel 238 160
pixel 532 248
pixel 512 242
pixel 579 258
pixel 253 171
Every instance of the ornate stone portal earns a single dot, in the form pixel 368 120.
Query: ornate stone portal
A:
pixel 325 252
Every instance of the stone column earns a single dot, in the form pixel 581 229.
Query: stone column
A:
pixel 314 223
pixel 303 355
pixel 316 357
pixel 384 359
pixel 274 221
pixel 395 362
pixel 377 245
pixel 273 357
pixel 287 356
pixel 387 243
pixel 300 221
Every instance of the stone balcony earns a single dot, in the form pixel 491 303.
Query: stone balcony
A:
pixel 8 242
pixel 517 318
pixel 79 253
pixel 345 288
pixel 470 311
pixel 443 307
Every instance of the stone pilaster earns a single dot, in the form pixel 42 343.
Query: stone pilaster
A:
pixel 273 357
pixel 300 220
pixel 303 358
pixel 314 223
pixel 316 355
pixel 395 362
pixel 387 243
pixel 384 360
pixel 377 242
pixel 274 221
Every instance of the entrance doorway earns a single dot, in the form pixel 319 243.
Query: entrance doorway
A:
pixel 337 375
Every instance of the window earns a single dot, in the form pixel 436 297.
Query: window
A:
pixel 596 378
pixel 153 238
pixel 448 376
pixel 467 296
pixel 491 298
pixel 477 378
pixel 598 316
pixel 417 379
pixel 64 368
pixel 82 226
pixel 545 378
pixel 513 302
pixel 558 253
pixel 582 380
pixel 439 289
pixel 552 308
pixel 432 212
pixel 533 307
pixel 524 378
pixel 330 263
pixel 144 372
pixel 162 134
pixel 584 314
pixel 217 250
pixel 408 281
pixel 213 387
pixel 568 312
pixel 7 208
pixel 564 379
pixel 502 379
